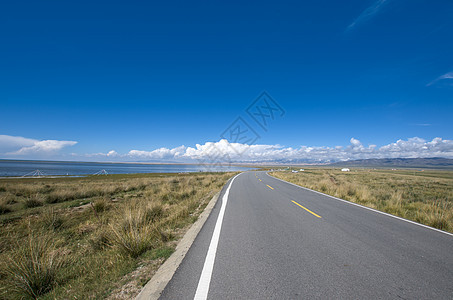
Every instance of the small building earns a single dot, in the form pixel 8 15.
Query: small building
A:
pixel 295 171
pixel 301 170
pixel 345 170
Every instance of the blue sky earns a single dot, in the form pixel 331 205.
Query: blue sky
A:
pixel 81 78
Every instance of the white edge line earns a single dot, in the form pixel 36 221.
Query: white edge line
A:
pixel 155 287
pixel 205 278
pixel 372 209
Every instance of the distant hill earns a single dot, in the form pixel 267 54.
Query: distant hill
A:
pixel 432 162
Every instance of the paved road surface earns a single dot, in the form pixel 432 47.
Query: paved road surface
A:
pixel 279 241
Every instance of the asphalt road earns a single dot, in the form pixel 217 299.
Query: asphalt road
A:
pixel 279 241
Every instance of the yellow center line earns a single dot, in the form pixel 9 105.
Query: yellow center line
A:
pixel 269 187
pixel 307 209
pixel 259 179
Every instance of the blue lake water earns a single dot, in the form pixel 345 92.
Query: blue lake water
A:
pixel 22 167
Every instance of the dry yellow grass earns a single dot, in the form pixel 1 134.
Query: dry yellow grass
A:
pixel 107 226
pixel 425 197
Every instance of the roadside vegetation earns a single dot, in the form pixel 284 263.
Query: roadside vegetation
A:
pixel 94 237
pixel 422 196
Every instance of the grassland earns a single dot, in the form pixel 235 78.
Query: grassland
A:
pixel 94 237
pixel 422 196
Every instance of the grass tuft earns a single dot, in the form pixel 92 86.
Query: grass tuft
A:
pixel 134 233
pixel 52 219
pixel 4 209
pixel 32 201
pixel 100 205
pixel 154 213
pixel 100 240
pixel 33 269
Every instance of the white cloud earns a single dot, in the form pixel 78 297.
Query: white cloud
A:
pixel 367 14
pixel 223 151
pixel 446 78
pixel 356 143
pixel 161 153
pixel 16 145
pixel 11 143
pixel 42 147
pixel 112 153
pixel 231 151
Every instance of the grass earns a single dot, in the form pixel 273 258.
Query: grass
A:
pixel 33 269
pixel 89 237
pixel 32 201
pixel 422 196
pixel 4 209
pixel 134 231
pixel 52 220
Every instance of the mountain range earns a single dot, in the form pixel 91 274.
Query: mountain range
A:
pixel 431 162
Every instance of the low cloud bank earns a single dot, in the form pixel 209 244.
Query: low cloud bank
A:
pixel 236 152
pixel 226 152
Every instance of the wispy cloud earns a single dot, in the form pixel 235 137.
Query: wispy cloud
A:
pixel 367 14
pixel 446 78
pixel 422 124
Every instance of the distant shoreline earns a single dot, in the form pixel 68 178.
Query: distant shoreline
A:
pixel 125 162
pixel 98 162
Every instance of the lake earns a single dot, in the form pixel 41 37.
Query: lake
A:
pixel 49 168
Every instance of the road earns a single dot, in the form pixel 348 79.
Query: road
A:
pixel 279 241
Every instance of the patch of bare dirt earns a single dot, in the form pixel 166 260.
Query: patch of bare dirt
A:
pixel 134 281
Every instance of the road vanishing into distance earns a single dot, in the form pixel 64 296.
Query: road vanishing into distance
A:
pixel 269 239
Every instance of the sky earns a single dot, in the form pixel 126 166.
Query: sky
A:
pixel 242 81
